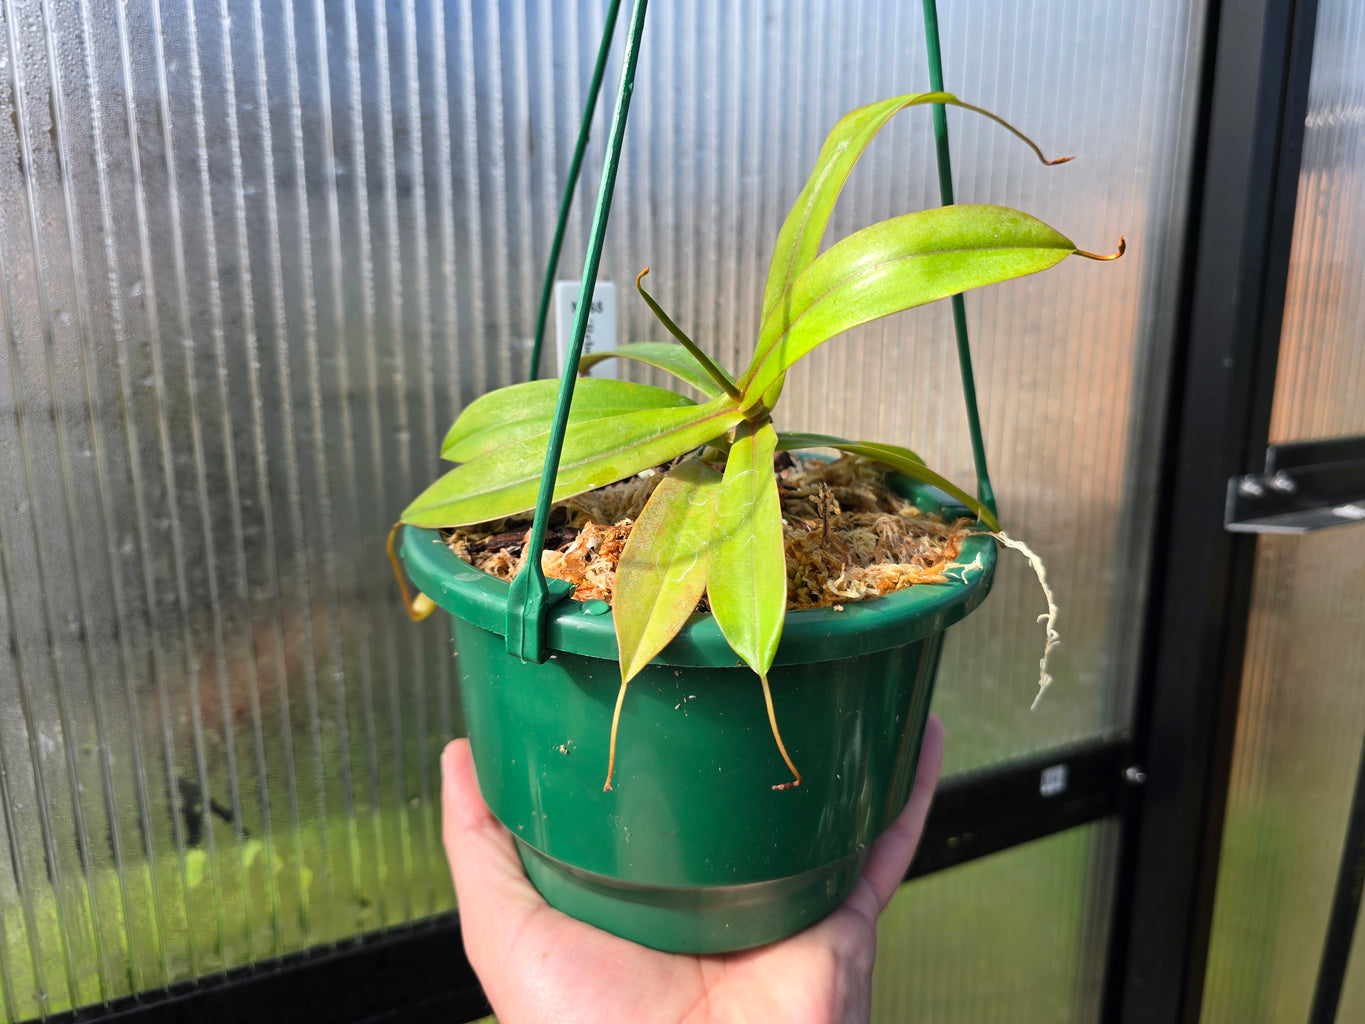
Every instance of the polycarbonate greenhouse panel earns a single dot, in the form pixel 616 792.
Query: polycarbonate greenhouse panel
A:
pixel 1018 936
pixel 1293 771
pixel 1320 389
pixel 1303 709
pixel 254 258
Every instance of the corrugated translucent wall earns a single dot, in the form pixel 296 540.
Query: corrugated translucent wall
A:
pixel 254 258
pixel 1320 391
pixel 1302 718
pixel 1294 767
pixel 1018 936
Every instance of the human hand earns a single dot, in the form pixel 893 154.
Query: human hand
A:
pixel 538 964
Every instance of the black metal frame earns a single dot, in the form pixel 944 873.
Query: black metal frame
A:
pixel 1307 485
pixel 1167 781
pixel 980 813
pixel 417 973
pixel 1242 214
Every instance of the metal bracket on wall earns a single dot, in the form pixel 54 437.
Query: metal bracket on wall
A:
pixel 1306 486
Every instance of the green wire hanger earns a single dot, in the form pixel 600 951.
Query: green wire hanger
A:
pixel 530 597
pixel 984 491
pixel 575 169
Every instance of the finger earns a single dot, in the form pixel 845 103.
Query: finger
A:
pixel 490 885
pixel 892 852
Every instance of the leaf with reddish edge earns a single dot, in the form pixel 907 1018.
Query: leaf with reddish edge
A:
pixel 895 265
pixel 748 581
pixel 662 572
pixel 748 584
pixel 513 413
pixel 506 481
pixel 798 241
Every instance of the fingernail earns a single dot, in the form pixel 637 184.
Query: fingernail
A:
pixel 445 760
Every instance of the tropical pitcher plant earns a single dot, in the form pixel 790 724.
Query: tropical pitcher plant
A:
pixel 713 526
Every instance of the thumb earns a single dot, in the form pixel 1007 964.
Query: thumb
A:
pixel 491 888
pixel 892 852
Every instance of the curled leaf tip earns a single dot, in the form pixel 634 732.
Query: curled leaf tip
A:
pixel 1059 160
pixel 640 277
pixel 1037 150
pixel 417 608
pixel 1123 247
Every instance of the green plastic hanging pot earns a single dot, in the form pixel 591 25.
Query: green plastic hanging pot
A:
pixel 693 851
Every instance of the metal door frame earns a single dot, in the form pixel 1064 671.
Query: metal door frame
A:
pixel 1254 99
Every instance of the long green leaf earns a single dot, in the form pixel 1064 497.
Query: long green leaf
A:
pixel 799 239
pixel 596 452
pixel 663 355
pixel 663 569
pixel 901 263
pixel 791 440
pixel 748 581
pixel 525 410
pixel 903 460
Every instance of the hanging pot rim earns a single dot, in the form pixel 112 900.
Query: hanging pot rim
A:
pixel 808 635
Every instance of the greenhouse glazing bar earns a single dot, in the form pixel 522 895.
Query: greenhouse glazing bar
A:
pixel 1249 138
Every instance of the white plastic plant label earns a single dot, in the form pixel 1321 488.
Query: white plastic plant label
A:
pixel 601 334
